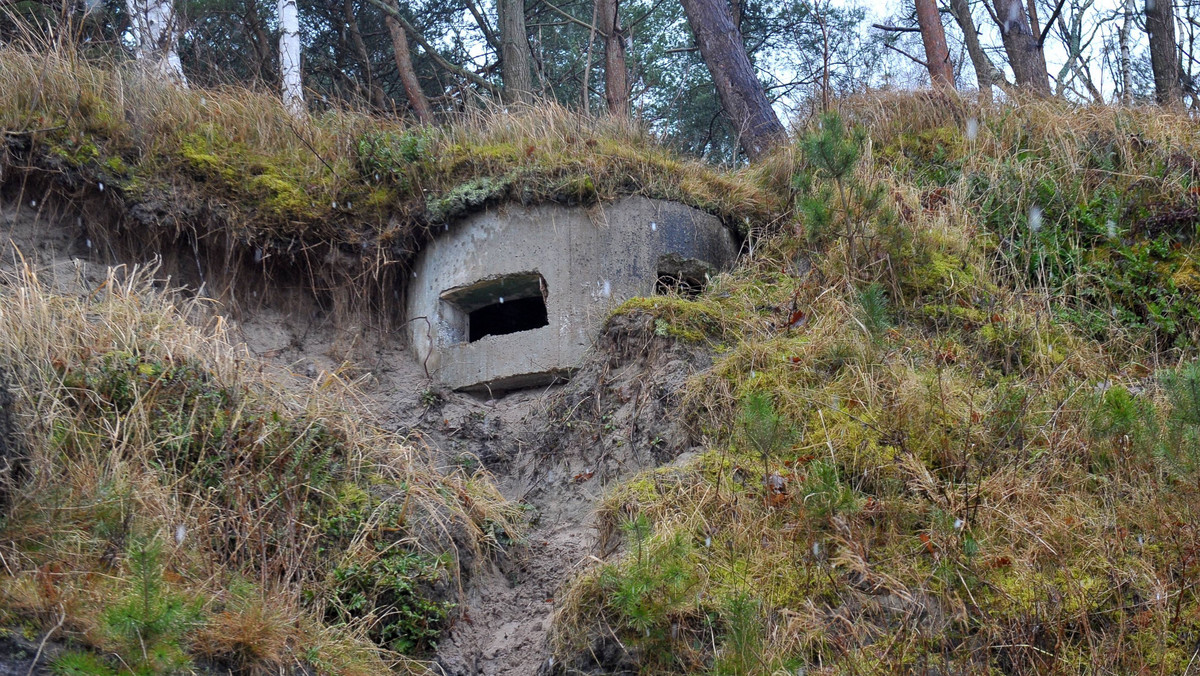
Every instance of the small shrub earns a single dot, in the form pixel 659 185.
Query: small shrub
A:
pixel 388 589
pixel 831 154
pixel 148 625
pixel 765 429
pixel 390 156
pixel 833 200
pixel 741 652
pixel 873 310
pixel 651 591
pixel 1180 446
pixel 824 493
pixel 1120 424
pixel 75 663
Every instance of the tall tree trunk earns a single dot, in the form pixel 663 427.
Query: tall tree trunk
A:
pixel 1164 57
pixel 586 98
pixel 616 73
pixel 1126 62
pixel 986 73
pixel 819 10
pixel 361 55
pixel 742 95
pixel 156 32
pixel 289 57
pixel 408 75
pixel 1021 44
pixel 937 54
pixel 515 71
pixel 1034 24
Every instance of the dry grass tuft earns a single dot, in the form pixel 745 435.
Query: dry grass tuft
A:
pixel 176 504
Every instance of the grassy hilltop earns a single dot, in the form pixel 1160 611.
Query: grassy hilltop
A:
pixel 953 423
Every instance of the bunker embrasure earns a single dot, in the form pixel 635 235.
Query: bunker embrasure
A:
pixel 512 297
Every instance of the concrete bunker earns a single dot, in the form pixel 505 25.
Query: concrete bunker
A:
pixel 513 297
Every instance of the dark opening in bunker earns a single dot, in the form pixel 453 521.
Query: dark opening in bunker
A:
pixel 508 316
pixel 684 276
pixel 499 306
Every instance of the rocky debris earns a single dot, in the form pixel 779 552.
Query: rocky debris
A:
pixel 18 654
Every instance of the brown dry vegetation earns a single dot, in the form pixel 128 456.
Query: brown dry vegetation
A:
pixel 944 436
pixel 174 507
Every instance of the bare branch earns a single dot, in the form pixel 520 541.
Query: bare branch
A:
pixel 895 29
pixel 572 19
pixel 433 53
pixel 915 59
pixel 488 33
pixel 1050 23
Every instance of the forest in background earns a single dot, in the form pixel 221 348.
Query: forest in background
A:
pixel 639 58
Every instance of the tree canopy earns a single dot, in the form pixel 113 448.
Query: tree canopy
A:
pixel 452 54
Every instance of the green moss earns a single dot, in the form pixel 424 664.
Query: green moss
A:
pixel 1018 591
pixel 280 195
pixel 940 272
pixel 679 318
pixel 470 196
pixel 381 199
pixel 458 157
pixel 75 151
pixel 352 496
pixel 932 156
pixel 200 156
pixel 578 189
pixel 956 315
pixel 116 166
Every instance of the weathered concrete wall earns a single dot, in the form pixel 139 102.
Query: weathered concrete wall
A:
pixel 588 261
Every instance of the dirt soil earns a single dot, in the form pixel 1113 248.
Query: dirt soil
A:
pixel 554 450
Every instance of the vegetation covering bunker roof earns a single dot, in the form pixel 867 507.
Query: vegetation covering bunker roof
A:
pixel 233 166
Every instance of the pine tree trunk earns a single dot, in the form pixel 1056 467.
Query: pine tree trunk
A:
pixel 156 32
pixel 616 73
pixel 937 54
pixel 515 70
pixel 1164 59
pixel 1021 44
pixel 408 75
pixel 741 93
pixel 289 57
pixel 1126 62
pixel 985 71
